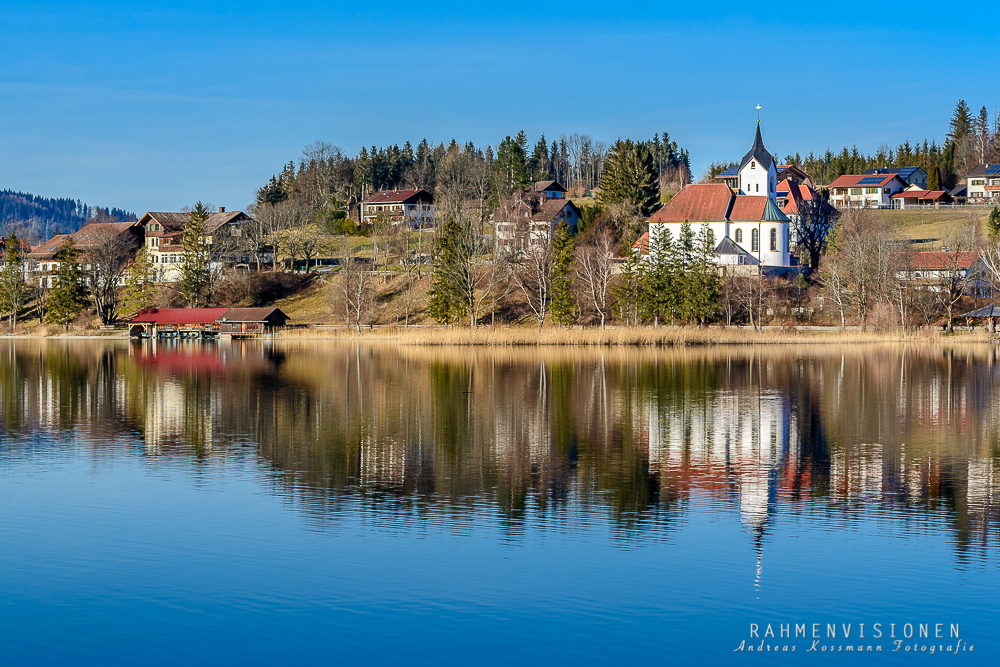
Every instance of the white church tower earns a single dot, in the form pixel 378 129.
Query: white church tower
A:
pixel 758 175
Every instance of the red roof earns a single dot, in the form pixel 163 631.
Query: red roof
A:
pixel 939 259
pixel 796 191
pixel 698 202
pixel 642 244
pixel 179 315
pixel 851 180
pixel 748 207
pixel 919 194
pixel 394 196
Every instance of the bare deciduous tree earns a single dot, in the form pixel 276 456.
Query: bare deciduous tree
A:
pixel 106 260
pixel 961 250
pixel 354 287
pixel 812 226
pixel 531 272
pixel 595 269
pixel 862 267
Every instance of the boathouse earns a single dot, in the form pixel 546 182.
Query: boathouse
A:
pixel 240 322
pixel 177 322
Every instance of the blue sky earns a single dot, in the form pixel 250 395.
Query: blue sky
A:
pixel 151 106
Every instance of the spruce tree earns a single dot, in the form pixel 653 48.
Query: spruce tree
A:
pixel 563 304
pixel 630 289
pixel 14 289
pixel 629 176
pixel 660 294
pixel 961 123
pixel 702 279
pixel 993 225
pixel 538 164
pixel 195 264
pixel 69 295
pixel 139 287
pixel 510 166
pixel 446 303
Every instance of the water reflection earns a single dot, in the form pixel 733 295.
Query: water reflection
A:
pixel 634 434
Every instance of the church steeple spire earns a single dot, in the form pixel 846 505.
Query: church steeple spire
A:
pixel 758 141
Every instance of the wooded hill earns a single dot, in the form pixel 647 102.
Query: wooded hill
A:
pixel 39 218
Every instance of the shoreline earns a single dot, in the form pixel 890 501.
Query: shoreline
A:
pixel 639 337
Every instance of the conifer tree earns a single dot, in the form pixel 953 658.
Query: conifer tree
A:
pixel 961 123
pixel 630 290
pixel 69 294
pixel 538 164
pixel 660 294
pixel 14 289
pixel 446 304
pixel 563 304
pixel 510 167
pixel 629 176
pixel 139 287
pixel 195 265
pixel 993 225
pixel 702 278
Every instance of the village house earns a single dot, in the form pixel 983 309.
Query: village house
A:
pixel 909 175
pixel 931 267
pixel 413 207
pixel 865 191
pixel 41 264
pixel 982 184
pixel 746 228
pixel 164 232
pixel 916 196
pixel 531 217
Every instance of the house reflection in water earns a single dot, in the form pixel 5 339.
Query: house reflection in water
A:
pixel 639 436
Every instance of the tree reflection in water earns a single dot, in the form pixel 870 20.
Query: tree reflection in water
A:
pixel 533 434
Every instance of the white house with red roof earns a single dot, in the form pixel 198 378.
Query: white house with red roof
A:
pixel 414 207
pixel 865 190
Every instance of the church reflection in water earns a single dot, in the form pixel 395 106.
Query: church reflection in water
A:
pixel 637 435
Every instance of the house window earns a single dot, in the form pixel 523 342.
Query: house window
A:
pixel 739 236
pixel 855 191
pixel 758 187
pixel 755 240
pixel 753 165
pixel 774 239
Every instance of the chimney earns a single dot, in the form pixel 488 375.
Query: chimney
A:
pixel 222 209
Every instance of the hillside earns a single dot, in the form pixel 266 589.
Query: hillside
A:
pixel 39 218
pixel 927 228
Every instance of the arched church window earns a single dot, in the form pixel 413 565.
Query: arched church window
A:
pixel 739 236
pixel 774 239
pixel 758 187
pixel 754 240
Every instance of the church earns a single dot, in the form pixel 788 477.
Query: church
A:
pixel 742 214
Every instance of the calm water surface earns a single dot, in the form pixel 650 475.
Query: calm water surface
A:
pixel 258 504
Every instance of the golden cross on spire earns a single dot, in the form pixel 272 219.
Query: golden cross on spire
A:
pixel 758 108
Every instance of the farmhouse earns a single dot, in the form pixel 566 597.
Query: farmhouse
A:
pixel 414 207
pixel 865 191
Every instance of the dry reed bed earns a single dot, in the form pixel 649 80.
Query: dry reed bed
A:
pixel 620 336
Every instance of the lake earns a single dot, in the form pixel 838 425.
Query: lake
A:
pixel 258 503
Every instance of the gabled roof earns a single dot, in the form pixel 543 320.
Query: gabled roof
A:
pixel 989 169
pixel 541 186
pixel 732 172
pixel 795 192
pixel 83 238
pixel 642 244
pixel 941 260
pixel 179 315
pixel 852 180
pixel 786 170
pixel 173 221
pixel 728 247
pixel 919 194
pixel 758 152
pixel 698 202
pixel 254 314
pixel 397 197
pixel 905 173
pixel 715 202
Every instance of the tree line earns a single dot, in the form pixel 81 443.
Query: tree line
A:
pixel 39 218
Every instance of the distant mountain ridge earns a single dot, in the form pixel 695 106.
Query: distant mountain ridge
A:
pixel 40 218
